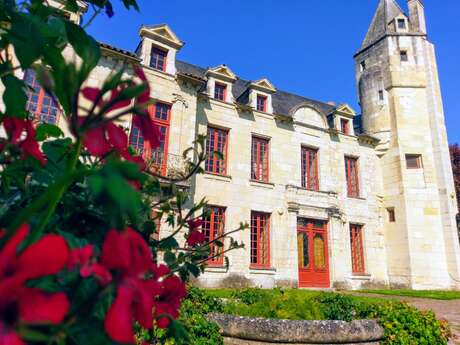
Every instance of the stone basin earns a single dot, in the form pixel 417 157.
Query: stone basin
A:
pixel 239 330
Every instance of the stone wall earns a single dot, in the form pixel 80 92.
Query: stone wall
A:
pixel 238 330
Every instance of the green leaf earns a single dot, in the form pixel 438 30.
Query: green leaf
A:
pixel 47 130
pixel 85 46
pixel 25 35
pixel 14 96
pixel 169 258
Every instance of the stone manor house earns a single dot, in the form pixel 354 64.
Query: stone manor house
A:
pixel 333 199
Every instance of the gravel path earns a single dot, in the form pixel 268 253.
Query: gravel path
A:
pixel 448 310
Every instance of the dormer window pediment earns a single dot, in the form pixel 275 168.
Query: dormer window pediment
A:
pixel 220 82
pixel 159 47
pixel 260 95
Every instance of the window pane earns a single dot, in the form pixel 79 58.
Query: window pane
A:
pixel 260 159
pixel 302 244
pixel 319 251
pixel 357 250
pixel 309 166
pixel 260 239
pixel 216 141
pixel 213 227
pixel 413 161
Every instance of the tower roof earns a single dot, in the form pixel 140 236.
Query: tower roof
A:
pixel 386 12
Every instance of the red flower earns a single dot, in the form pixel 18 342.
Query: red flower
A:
pixel 101 140
pixel 139 281
pixel 82 257
pixel 168 303
pixel 195 223
pixel 127 253
pixel 30 305
pixel 195 237
pixel 15 128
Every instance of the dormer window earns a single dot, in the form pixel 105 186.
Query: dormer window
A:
pixel 158 59
pixel 345 126
pixel 220 92
pixel 402 24
pixel 261 103
pixel 404 56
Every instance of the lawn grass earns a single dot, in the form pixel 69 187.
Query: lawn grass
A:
pixel 432 294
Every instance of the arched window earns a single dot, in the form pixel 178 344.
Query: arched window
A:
pixel 40 104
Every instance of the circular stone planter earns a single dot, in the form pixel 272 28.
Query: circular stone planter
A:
pixel 239 330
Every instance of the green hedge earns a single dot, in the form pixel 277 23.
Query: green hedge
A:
pixel 403 324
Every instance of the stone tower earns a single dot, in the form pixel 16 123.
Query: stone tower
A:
pixel 400 96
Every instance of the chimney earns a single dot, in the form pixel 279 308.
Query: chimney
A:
pixel 417 15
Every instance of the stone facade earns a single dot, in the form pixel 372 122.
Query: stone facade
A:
pixel 402 114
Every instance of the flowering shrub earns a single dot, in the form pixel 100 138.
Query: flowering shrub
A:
pixel 79 262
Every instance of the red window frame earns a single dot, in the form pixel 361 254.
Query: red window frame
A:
pixel 261 103
pixel 214 227
pixel 158 59
pixel 216 141
pixel 357 249
pixel 220 92
pixel 413 161
pixel 345 126
pixel 160 114
pixel 40 104
pixel 310 179
pixel 260 240
pixel 352 174
pixel 260 159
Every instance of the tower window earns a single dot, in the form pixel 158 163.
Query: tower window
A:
pixel 363 65
pixel 413 161
pixel 401 24
pixel 404 56
pixel 381 98
pixel 391 215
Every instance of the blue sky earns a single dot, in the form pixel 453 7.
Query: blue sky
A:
pixel 305 47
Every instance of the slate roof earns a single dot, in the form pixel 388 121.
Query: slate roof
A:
pixel 283 102
pixel 387 10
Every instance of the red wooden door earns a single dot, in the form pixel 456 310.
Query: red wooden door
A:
pixel 313 258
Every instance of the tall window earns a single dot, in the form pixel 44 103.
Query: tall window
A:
pixel 345 126
pixel 310 168
pixel 39 103
pixel 357 249
pixel 351 170
pixel 260 159
pixel 413 161
pixel 401 23
pixel 404 56
pixel 391 215
pixel 261 103
pixel 216 142
pixel 158 59
pixel 160 114
pixel 260 239
pixel 220 92
pixel 213 227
